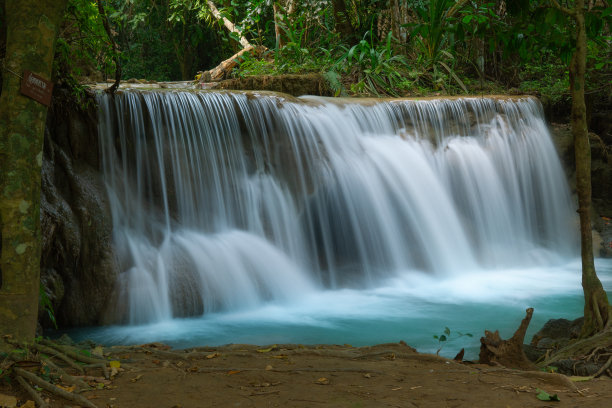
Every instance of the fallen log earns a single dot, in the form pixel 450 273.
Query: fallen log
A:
pixel 508 353
pixel 223 70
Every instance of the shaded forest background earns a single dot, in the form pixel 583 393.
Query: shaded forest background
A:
pixel 361 47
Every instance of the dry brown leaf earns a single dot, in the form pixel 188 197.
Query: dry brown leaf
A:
pixel 138 377
pixel 213 355
pixel 322 381
pixel 232 372
pixel 8 401
pixel 67 389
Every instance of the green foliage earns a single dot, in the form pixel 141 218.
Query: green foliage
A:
pixel 83 47
pixel 445 337
pixel 46 305
pixel 377 69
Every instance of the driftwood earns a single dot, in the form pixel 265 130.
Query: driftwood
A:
pixel 508 353
pixel 222 70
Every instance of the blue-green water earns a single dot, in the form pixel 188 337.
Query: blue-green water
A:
pixel 412 308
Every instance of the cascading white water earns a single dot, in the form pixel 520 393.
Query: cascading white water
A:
pixel 222 201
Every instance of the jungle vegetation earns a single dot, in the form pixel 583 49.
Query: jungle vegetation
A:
pixel 559 50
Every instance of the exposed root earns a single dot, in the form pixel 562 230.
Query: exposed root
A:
pixel 69 351
pixel 34 379
pixel 33 393
pixel 603 368
pixel 65 376
pixel 37 355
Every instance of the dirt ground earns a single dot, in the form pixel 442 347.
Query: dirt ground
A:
pixel 386 375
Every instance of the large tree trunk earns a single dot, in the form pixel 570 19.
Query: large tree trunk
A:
pixel 596 306
pixel 31 27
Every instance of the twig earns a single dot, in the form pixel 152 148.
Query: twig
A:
pixel 33 393
pixel 53 389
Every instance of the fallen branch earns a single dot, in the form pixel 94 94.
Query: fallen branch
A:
pixel 223 70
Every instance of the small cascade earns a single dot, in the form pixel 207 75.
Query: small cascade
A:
pixel 223 201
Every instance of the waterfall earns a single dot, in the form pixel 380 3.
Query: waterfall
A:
pixel 222 201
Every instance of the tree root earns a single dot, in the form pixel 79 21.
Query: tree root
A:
pixel 603 368
pixel 67 377
pixel 41 355
pixel 33 393
pixel 69 351
pixel 33 378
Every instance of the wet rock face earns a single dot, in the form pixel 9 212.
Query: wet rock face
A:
pixel 601 178
pixel 78 267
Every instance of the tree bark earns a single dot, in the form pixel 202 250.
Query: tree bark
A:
pixel 596 305
pixel 597 309
pixel 31 29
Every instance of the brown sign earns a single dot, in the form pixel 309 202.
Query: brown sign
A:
pixel 36 87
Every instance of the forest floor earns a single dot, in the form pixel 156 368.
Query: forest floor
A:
pixel 386 375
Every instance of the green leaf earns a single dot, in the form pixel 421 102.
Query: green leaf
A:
pixel 447 331
pixel 467 18
pixel 544 396
pixel 442 338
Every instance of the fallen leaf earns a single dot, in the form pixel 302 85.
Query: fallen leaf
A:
pixel 232 372
pixel 269 367
pixel 28 404
pixel 281 356
pixel 322 381
pixel 138 377
pixel 544 396
pixel 8 401
pixel 367 375
pixel 114 364
pixel 67 389
pixel 267 350
pixel 213 355
pixel 579 379
pixel 98 351
pixel 193 369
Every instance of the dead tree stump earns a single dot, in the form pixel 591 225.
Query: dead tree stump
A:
pixel 508 353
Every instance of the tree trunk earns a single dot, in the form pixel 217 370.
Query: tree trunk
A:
pixel 342 23
pixel 31 29
pixel 596 305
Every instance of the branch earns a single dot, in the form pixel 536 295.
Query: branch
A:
pixel 106 24
pixel 228 24
pixel 564 10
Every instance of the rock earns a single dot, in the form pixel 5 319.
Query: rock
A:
pixel 78 267
pixel 557 333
